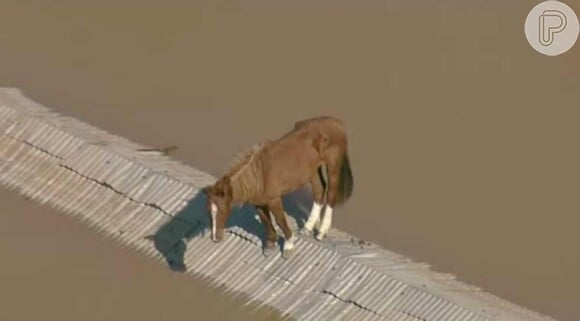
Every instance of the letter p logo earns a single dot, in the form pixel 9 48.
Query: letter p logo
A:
pixel 551 22
pixel 552 28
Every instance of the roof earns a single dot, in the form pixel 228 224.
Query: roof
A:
pixel 152 204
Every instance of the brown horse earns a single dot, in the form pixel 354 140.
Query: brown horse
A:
pixel 271 169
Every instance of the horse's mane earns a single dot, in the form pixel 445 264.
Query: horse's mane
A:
pixel 243 158
pixel 245 173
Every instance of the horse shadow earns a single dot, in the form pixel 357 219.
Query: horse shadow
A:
pixel 171 239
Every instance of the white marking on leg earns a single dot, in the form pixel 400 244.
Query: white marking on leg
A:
pixel 289 244
pixel 314 216
pixel 273 220
pixel 326 222
pixel 214 211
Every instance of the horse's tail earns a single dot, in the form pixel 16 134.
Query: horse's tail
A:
pixel 345 181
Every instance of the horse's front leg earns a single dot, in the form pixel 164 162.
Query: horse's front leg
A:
pixel 277 209
pixel 271 235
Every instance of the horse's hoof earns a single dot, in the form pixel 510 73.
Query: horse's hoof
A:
pixel 304 232
pixel 286 254
pixel 269 249
pixel 268 252
pixel 177 266
pixel 320 236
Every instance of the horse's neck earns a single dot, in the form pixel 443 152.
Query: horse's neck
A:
pixel 247 182
pixel 242 193
pixel 239 197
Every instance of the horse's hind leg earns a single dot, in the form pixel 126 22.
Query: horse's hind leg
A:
pixel 318 186
pixel 271 235
pixel 333 172
pixel 277 209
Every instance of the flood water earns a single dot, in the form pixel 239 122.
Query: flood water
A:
pixel 463 139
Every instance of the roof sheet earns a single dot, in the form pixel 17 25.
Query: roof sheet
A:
pixel 152 204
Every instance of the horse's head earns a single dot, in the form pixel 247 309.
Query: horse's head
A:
pixel 219 206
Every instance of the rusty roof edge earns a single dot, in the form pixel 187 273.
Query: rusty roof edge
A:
pixel 382 260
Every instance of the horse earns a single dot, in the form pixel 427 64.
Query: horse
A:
pixel 270 169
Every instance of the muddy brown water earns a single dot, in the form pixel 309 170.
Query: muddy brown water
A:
pixel 463 139
pixel 56 268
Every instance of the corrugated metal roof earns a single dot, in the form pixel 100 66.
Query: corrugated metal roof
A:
pixel 151 203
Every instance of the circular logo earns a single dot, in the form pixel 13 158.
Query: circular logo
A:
pixel 552 28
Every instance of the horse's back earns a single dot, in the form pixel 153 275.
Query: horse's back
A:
pixel 309 137
pixel 321 121
pixel 333 128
